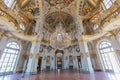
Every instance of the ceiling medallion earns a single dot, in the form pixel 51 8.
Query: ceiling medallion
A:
pixel 60 39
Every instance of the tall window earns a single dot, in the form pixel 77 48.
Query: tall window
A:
pixel 108 3
pixel 9 57
pixel 9 3
pixel 110 61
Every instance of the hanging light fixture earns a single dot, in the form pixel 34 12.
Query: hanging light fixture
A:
pixel 60 39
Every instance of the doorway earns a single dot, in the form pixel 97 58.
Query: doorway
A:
pixel 59 62
pixel 39 64
pixel 79 62
pixel 59 59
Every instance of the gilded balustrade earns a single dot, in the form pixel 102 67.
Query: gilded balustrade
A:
pixel 110 13
pixel 8 16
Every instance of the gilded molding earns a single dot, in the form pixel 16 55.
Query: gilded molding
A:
pixel 37 55
pixel 118 52
pixel 87 55
pixel 31 55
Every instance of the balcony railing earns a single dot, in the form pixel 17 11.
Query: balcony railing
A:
pixel 106 16
pixel 110 13
pixel 7 15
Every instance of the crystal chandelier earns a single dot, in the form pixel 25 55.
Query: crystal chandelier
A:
pixel 60 39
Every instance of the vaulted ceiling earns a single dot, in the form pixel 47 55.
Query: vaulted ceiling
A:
pixel 53 19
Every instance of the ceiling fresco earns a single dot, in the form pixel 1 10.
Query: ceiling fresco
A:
pixel 84 8
pixel 59 17
pixel 59 2
pixel 32 8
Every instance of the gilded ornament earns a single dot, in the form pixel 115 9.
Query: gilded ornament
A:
pixel 118 52
pixel 24 57
pixel 37 55
pixel 82 55
pixel 87 55
pixel 31 55
pixel 94 55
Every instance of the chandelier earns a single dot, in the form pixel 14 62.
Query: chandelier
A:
pixel 60 39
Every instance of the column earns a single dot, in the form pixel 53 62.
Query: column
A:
pixel 74 60
pixel 52 62
pixel 43 65
pixel 85 60
pixel 33 60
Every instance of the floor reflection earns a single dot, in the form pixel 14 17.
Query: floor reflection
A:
pixel 66 75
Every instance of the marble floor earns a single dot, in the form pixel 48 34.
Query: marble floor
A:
pixel 66 75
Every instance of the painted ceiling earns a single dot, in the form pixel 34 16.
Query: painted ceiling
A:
pixel 59 2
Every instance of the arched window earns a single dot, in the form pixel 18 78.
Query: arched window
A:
pixel 95 27
pixel 108 3
pixel 22 27
pixel 9 57
pixel 9 3
pixel 109 59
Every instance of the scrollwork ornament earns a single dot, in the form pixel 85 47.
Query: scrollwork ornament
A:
pixel 37 55
pixel 41 49
pixel 31 55
pixel 77 49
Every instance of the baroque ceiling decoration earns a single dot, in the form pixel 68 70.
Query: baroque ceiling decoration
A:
pixel 84 8
pixel 62 19
pixel 32 8
pixel 59 2
pixel 61 27
pixel 88 8
pixel 59 17
pixel 60 39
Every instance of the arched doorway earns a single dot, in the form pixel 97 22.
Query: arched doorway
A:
pixel 59 59
pixel 79 62
pixel 39 64
pixel 108 57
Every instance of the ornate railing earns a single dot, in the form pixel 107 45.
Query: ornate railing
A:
pixel 110 13
pixel 106 16
pixel 7 15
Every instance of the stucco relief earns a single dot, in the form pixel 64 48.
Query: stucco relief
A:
pixel 59 2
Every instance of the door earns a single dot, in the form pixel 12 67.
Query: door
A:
pixel 39 64
pixel 79 62
pixel 59 62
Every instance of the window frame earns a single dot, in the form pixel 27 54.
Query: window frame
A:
pixel 12 56
pixel 10 3
pixel 110 55
pixel 107 3
pixel 103 54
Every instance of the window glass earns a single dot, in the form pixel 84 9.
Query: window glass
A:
pixel 108 56
pixel 108 3
pixel 9 57
pixel 9 3
pixel 22 27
